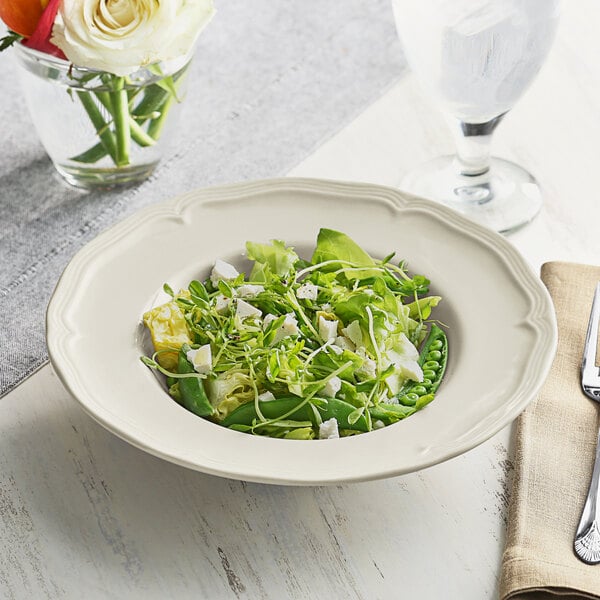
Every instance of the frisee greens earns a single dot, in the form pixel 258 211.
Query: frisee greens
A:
pixel 296 345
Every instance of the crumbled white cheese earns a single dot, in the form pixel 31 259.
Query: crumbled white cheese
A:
pixel 411 369
pixel 336 349
pixel 405 361
pixel 266 397
pixel 328 430
pixel 245 310
pixel 290 325
pixel 327 328
pixel 406 348
pixel 332 387
pixel 287 328
pixel 222 303
pixel 249 290
pixel 223 271
pixel 341 341
pixel 307 291
pixel 201 358
pixel 368 367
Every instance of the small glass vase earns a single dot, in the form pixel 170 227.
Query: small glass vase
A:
pixel 101 130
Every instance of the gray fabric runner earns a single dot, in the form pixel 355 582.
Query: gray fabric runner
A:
pixel 270 81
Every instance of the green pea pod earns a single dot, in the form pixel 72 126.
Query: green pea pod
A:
pixel 433 359
pixel 275 409
pixel 191 389
pixel 436 342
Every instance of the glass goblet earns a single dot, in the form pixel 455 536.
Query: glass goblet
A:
pixel 476 58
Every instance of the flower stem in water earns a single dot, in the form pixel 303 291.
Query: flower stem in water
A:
pixel 107 139
pixel 128 121
pixel 120 113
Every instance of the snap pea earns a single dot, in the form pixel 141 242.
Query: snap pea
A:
pixel 432 359
pixel 191 389
pixel 434 356
pixel 275 409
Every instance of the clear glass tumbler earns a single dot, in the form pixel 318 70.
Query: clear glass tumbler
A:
pixel 476 58
pixel 101 130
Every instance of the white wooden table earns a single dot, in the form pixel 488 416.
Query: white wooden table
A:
pixel 85 515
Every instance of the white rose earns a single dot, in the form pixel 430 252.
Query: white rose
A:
pixel 120 36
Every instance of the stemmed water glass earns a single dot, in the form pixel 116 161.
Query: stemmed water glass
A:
pixel 476 58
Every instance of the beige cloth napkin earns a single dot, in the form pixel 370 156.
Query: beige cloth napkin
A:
pixel 555 447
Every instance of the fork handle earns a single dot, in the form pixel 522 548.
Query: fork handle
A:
pixel 587 538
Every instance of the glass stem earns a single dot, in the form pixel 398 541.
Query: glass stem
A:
pixel 473 142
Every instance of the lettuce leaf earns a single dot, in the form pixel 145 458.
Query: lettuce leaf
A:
pixel 270 259
pixel 336 246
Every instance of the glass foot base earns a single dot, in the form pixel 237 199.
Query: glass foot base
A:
pixel 504 199
pixel 105 178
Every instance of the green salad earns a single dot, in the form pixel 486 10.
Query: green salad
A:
pixel 301 349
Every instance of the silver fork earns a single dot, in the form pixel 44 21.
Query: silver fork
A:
pixel 587 538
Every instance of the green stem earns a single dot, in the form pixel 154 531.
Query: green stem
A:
pixel 154 98
pixel 137 133
pixel 91 155
pixel 107 139
pixel 156 125
pixel 172 85
pixel 140 137
pixel 120 113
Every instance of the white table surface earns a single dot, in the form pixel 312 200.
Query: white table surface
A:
pixel 85 515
